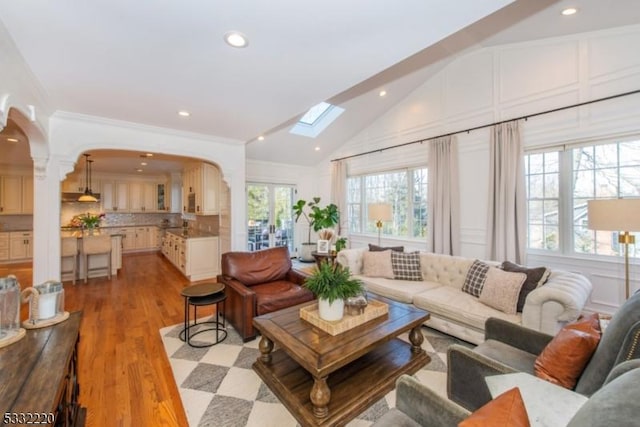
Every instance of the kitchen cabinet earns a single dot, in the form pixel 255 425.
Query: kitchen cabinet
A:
pixel 27 194
pixel 128 238
pixel 4 246
pixel 10 194
pixel 196 257
pixel 143 197
pixel 203 180
pixel 114 196
pixel 142 238
pixel 20 245
pixel 73 183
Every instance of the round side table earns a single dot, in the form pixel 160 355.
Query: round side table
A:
pixel 201 295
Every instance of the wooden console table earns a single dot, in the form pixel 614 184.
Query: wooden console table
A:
pixel 38 377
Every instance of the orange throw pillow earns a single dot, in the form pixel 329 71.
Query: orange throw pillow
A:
pixel 506 410
pixel 565 357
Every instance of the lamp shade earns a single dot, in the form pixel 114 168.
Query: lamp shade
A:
pixel 614 214
pixel 380 212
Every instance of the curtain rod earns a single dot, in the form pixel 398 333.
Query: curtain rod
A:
pixel 379 150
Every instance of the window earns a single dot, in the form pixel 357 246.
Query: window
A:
pixel 405 190
pixel 599 171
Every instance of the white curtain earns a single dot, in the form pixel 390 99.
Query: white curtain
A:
pixel 443 229
pixel 506 228
pixel 339 192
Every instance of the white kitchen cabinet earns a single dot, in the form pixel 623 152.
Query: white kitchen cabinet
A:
pixel 142 238
pixel 143 197
pixel 203 180
pixel 4 246
pixel 128 238
pixel 73 183
pixel 27 194
pixel 201 258
pixel 20 245
pixel 114 196
pixel 10 194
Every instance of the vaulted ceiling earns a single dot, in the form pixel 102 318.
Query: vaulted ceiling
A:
pixel 143 61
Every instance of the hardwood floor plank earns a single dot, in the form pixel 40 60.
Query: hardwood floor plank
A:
pixel 124 375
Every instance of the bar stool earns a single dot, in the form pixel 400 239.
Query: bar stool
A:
pixel 96 245
pixel 69 249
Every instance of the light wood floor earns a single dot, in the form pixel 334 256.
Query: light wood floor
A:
pixel 124 375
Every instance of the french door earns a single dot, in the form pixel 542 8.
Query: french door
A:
pixel 270 216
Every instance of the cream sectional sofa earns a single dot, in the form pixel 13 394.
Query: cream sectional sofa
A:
pixel 547 308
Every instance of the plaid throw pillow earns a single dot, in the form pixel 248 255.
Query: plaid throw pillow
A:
pixel 476 276
pixel 406 265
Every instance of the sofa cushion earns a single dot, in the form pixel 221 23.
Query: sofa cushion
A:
pixel 252 268
pixel 535 277
pixel 397 290
pixel 564 358
pixel 406 266
pixel 505 410
pixel 376 248
pixel 445 269
pixel 450 303
pixel 377 264
pixel 501 289
pixel 475 278
pixel 279 294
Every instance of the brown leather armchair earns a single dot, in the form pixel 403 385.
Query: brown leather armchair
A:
pixel 257 283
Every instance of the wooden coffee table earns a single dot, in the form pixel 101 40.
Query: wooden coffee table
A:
pixel 328 380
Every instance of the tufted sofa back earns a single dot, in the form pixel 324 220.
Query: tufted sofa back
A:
pixel 445 269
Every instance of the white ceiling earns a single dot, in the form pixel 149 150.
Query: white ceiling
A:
pixel 143 61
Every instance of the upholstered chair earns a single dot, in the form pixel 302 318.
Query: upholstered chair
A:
pixel 258 283
pixel 511 348
pixel 614 404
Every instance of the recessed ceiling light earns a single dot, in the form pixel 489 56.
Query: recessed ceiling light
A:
pixel 138 170
pixel 143 163
pixel 147 155
pixel 184 113
pixel 382 93
pixel 317 148
pixel 261 138
pixel 569 11
pixel 236 39
pixel 12 140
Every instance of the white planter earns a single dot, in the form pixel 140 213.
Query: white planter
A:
pixel 305 252
pixel 333 311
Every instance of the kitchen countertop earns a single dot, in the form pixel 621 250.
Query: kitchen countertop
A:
pixel 189 233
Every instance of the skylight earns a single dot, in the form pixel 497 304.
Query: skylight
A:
pixel 314 113
pixel 316 119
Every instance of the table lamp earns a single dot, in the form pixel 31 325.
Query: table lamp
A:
pixel 380 212
pixel 616 215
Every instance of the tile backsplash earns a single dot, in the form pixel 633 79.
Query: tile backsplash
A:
pixel 115 219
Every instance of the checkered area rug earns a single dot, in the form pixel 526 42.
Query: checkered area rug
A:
pixel 219 388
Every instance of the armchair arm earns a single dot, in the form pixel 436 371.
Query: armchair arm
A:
pixel 558 301
pixel 296 276
pixel 240 306
pixel 465 377
pixel 515 335
pixel 422 405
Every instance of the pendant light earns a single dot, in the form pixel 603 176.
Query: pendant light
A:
pixel 87 196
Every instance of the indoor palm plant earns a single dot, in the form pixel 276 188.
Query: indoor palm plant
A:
pixel 320 219
pixel 332 284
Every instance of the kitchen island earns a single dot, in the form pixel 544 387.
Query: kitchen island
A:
pixel 96 260
pixel 195 253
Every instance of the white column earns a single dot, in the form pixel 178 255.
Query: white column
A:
pixel 46 220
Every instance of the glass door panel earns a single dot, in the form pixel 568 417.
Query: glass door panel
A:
pixel 270 216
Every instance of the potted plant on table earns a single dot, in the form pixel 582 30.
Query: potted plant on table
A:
pixel 319 219
pixel 333 284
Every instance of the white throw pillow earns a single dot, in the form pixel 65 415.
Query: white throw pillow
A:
pixel 501 290
pixel 377 264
